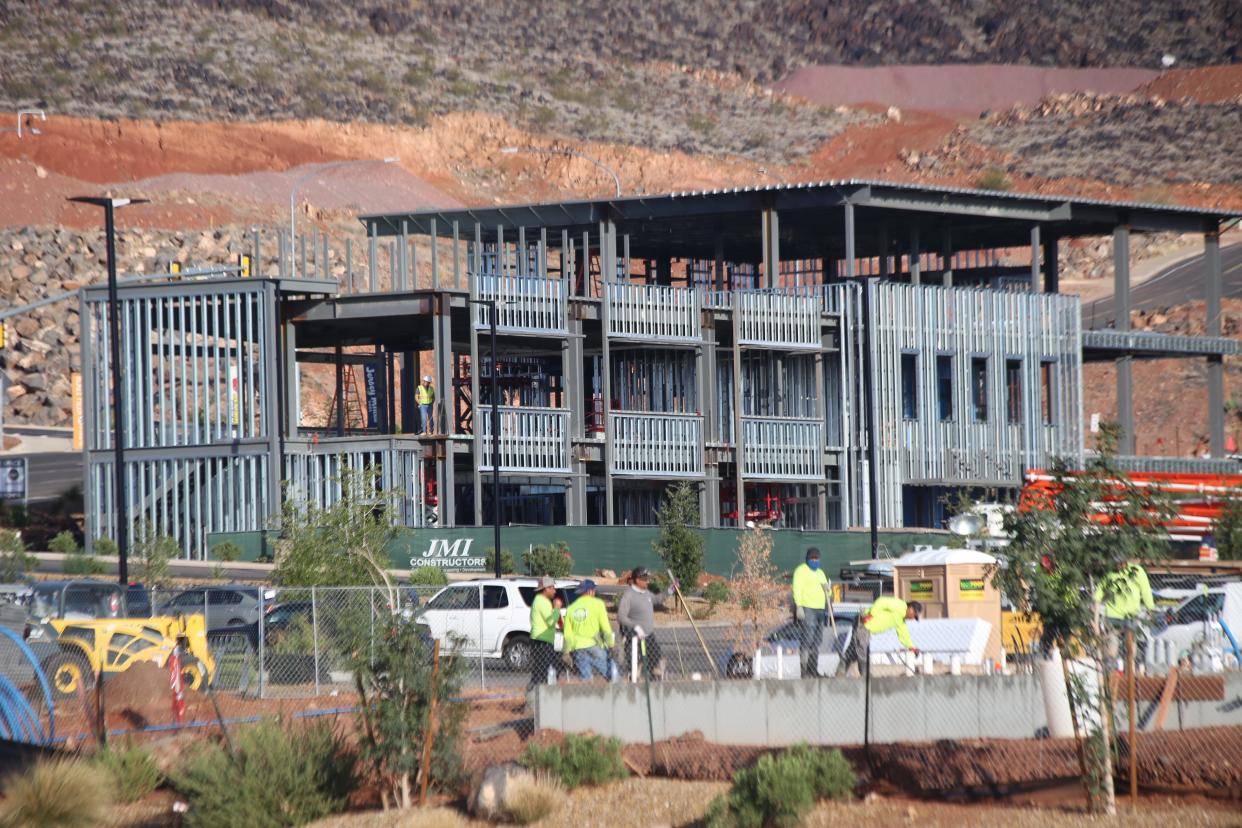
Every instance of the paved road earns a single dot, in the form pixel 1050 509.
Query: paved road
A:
pixel 1175 285
pixel 51 474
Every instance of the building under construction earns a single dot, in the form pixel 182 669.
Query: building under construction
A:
pixel 814 356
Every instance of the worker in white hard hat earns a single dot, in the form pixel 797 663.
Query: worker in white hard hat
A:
pixel 425 396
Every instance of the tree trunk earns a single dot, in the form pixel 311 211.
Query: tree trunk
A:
pixel 1103 757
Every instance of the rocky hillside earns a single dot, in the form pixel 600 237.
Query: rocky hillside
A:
pixel 657 74
pixel 42 346
pixel 1122 139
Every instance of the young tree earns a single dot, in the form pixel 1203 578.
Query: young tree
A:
pixel 1227 528
pixel 345 544
pixel 396 688
pixel 1063 548
pixel 680 544
pixel 756 588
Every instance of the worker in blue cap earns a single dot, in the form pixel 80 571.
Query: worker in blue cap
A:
pixel 588 635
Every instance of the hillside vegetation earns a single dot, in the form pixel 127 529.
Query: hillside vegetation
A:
pixel 666 75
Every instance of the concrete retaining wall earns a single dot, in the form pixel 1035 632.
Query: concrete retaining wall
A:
pixel 829 711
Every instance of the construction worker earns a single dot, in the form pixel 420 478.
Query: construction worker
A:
pixel 588 635
pixel 425 396
pixel 810 600
pixel 1125 593
pixel 543 618
pixel 1126 596
pixel 885 613
pixel 636 617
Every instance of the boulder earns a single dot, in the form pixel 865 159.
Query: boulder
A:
pixel 489 799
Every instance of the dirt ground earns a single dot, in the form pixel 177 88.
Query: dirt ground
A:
pixel 639 803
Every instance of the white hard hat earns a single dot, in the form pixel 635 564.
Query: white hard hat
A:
pixel 427 378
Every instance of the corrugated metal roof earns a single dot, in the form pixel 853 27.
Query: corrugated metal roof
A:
pixel 971 192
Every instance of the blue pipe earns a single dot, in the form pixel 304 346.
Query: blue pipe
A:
pixel 47 689
pixel 1232 641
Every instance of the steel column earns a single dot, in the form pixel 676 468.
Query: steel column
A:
pixel 607 272
pixel 1052 264
pixel 946 253
pixel 1035 251
pixel 1121 317
pixel 1215 366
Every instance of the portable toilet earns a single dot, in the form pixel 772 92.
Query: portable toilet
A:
pixel 951 583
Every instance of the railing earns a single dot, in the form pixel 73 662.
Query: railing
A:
pixel 1161 342
pixel 778 320
pixel 782 448
pixel 653 312
pixel 657 444
pixel 531 439
pixel 315 472
pixel 524 304
pixel 1180 465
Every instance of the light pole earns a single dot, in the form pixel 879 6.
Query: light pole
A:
pixel 20 114
pixel 616 180
pixel 110 206
pixel 490 304
pixel 302 179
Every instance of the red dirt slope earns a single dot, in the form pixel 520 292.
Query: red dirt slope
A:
pixel 1211 84
pixel 958 88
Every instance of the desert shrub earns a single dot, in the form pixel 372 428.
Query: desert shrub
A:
pixel 133 771
pixel 781 788
pixel 14 562
pixel 297 638
pixel 396 687
pixel 227 552
pixel 65 793
pixel 279 776
pixel 64 543
pixel 717 592
pixel 79 563
pixel 553 559
pixel 508 564
pixel 105 546
pixel 429 576
pixel 151 553
pixel 993 178
pixel 532 798
pixel 579 760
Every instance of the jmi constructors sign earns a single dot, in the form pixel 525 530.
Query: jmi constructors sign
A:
pixel 449 553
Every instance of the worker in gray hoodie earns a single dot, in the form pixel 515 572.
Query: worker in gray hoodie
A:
pixel 636 617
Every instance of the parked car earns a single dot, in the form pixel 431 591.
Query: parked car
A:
pixel 233 605
pixel 279 617
pixel 488 617
pixel 138 600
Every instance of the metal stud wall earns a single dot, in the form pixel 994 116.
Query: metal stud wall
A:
pixel 198 377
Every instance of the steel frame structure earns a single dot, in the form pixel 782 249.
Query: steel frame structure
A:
pixel 757 312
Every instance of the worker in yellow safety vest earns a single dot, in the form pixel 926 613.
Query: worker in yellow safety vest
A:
pixel 425 396
pixel 810 600
pixel 588 635
pixel 885 613
pixel 543 618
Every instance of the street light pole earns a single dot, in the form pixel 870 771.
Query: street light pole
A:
pixel 491 304
pixel 616 180
pixel 302 179
pixel 118 390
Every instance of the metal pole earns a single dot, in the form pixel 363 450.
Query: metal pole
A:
pixel 1133 743
pixel 495 441
pixel 118 403
pixel 873 486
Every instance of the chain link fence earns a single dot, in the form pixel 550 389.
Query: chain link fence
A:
pixel 978 711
